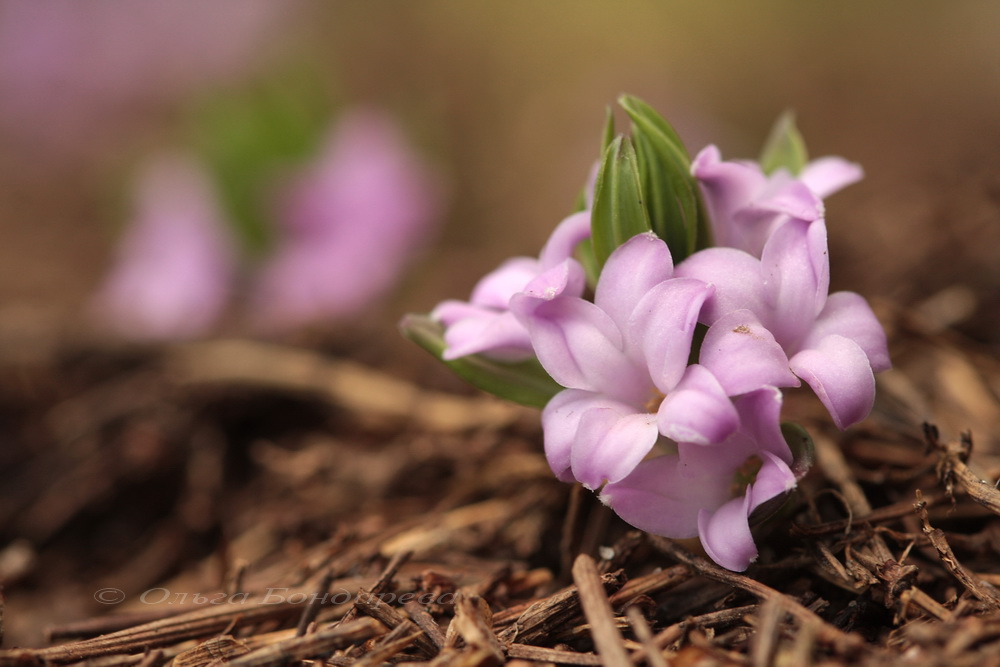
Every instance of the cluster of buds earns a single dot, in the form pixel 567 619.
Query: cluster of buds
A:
pixel 659 325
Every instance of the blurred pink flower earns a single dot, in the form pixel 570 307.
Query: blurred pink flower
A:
pixel 352 222
pixel 175 263
pixel 67 68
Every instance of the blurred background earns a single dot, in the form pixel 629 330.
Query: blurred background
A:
pixel 504 105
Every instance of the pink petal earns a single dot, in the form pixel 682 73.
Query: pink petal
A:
pixel 830 174
pixel 663 496
pixel 774 479
pixel 631 271
pixel 579 346
pixel 564 239
pixel 697 410
pixel 662 326
pixel 839 372
pixel 611 441
pixel 796 272
pixel 496 335
pixel 560 423
pixel 726 536
pixel 760 422
pixel 744 356
pixel 726 187
pixel 495 289
pixel 734 274
pixel 848 314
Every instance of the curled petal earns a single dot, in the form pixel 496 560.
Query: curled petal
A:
pixel 726 536
pixel 774 480
pixel 697 410
pixel 579 346
pixel 631 271
pixel 744 356
pixel 839 372
pixel 734 274
pixel 760 421
pixel 567 277
pixel 727 188
pixel 560 423
pixel 611 441
pixel 662 326
pixel 495 289
pixel 796 272
pixel 497 335
pixel 848 314
pixel 566 236
pixel 663 496
pixel 830 174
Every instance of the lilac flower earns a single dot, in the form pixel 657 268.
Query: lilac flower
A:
pixel 175 263
pixel 352 222
pixel 484 325
pixel 746 205
pixel 624 361
pixel 834 342
pixel 699 490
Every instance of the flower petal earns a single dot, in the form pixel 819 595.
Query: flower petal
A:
pixel 631 271
pixel 497 335
pixel 495 289
pixel 697 410
pixel 760 422
pixel 774 479
pixel 734 274
pixel 796 272
pixel 726 187
pixel 564 239
pixel 726 536
pixel 661 328
pixel 560 423
pixel 567 277
pixel 663 496
pixel 848 314
pixel 611 441
pixel 744 356
pixel 579 346
pixel 830 174
pixel 839 372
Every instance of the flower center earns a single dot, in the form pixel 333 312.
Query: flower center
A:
pixel 652 406
pixel 745 475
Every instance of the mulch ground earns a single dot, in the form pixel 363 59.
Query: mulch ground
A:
pixel 261 505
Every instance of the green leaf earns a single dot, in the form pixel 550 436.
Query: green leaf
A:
pixel 801 444
pixel 785 148
pixel 672 198
pixel 609 129
pixel 524 382
pixel 619 213
pixel 249 135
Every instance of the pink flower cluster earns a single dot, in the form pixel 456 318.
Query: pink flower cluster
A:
pixel 677 448
pixel 350 223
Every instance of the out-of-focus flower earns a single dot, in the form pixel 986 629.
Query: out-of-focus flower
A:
pixel 712 491
pixel 352 222
pixel 485 325
pixel 68 67
pixel 624 361
pixel 746 205
pixel 175 264
pixel 834 342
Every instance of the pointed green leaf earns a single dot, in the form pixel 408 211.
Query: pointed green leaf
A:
pixel 609 129
pixel 785 148
pixel 672 198
pixel 619 213
pixel 801 444
pixel 525 382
